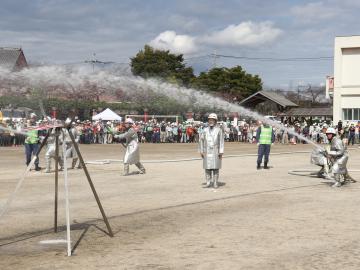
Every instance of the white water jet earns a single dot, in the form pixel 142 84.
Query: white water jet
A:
pixel 69 79
pixel 15 131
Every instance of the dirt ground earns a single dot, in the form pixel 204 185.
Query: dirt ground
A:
pixel 164 219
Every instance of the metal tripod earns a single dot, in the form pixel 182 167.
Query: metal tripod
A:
pixel 62 131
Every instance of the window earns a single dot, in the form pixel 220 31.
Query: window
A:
pixel 356 114
pixel 351 114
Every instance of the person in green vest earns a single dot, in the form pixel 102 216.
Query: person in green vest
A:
pixel 32 143
pixel 265 137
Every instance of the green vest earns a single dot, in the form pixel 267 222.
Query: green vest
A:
pixel 265 135
pixel 32 137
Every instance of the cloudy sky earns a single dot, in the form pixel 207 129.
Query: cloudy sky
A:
pixel 71 31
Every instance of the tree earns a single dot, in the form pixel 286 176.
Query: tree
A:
pixel 232 83
pixel 311 96
pixel 150 62
pixel 317 93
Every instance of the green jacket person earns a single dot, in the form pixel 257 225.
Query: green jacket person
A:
pixel 265 137
pixel 32 143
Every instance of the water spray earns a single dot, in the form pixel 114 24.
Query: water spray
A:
pixel 21 132
pixel 54 77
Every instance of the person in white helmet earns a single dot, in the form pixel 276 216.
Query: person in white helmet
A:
pixel 132 154
pixel 211 147
pixel 338 156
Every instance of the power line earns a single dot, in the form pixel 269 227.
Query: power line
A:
pixel 288 59
pixel 214 56
pixel 197 57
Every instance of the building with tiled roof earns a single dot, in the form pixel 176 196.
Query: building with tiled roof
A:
pixel 12 58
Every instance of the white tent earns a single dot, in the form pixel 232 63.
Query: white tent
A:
pixel 107 115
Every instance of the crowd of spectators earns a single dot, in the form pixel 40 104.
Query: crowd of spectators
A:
pixel 154 131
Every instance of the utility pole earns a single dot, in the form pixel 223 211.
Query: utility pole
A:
pixel 95 61
pixel 298 94
pixel 215 57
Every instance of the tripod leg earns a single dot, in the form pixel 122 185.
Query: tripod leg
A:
pixel 91 183
pixel 56 180
pixel 67 206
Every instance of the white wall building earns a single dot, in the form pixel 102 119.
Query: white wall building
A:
pixel 346 95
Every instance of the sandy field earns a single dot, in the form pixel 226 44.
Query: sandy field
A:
pixel 164 219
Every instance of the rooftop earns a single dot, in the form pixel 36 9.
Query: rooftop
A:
pixel 262 96
pixel 9 57
pixel 321 111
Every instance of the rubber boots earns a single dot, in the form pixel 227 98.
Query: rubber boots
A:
pixel 216 178
pixel 126 169
pixel 141 168
pixel 208 174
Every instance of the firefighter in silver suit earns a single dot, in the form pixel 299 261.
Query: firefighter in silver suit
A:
pixel 65 139
pixel 318 157
pixel 73 153
pixel 132 154
pixel 211 147
pixel 338 156
pixel 50 150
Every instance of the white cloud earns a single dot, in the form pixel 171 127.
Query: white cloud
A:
pixel 170 40
pixel 244 34
pixel 315 11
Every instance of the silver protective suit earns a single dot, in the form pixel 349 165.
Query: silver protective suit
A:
pixel 73 154
pixel 50 150
pixel 333 161
pixel 65 139
pixel 132 154
pixel 338 156
pixel 318 157
pixel 211 145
